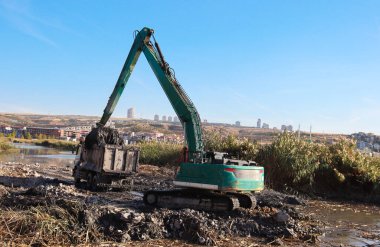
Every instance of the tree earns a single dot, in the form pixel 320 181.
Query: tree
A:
pixel 12 135
pixel 28 136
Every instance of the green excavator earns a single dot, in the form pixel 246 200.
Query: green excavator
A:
pixel 205 180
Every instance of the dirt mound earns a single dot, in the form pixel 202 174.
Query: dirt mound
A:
pixel 271 198
pixel 200 227
pixel 47 213
pixel 102 136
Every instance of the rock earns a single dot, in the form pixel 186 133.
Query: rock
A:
pixel 137 218
pixel 125 238
pixel 282 217
pixel 294 200
pixel 125 215
pixel 3 191
pixel 177 224
pixel 290 232
pixel 277 242
pixel 201 240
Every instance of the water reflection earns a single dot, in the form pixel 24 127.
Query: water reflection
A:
pixel 348 224
pixel 29 153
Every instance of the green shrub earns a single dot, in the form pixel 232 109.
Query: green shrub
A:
pixel 241 148
pixel 158 153
pixel 4 146
pixel 310 167
pixel 62 145
pixel 289 161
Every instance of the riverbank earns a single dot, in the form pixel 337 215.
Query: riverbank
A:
pixel 50 143
pixel 6 148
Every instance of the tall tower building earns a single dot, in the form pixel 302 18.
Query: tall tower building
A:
pixel 156 118
pixel 176 119
pixel 258 123
pixel 170 119
pixel 164 118
pixel 237 123
pixel 131 113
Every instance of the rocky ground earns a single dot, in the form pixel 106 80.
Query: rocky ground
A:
pixel 41 207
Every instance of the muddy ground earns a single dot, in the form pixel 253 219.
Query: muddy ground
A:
pixel 41 207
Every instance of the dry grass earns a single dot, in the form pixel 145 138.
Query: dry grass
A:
pixel 47 226
pixel 6 147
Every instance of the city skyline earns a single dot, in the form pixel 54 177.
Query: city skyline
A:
pixel 308 63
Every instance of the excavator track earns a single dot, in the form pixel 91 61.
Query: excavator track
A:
pixel 246 200
pixel 183 198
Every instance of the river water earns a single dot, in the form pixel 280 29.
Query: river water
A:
pixel 29 153
pixel 347 224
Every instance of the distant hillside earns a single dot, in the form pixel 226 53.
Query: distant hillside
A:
pixel 263 136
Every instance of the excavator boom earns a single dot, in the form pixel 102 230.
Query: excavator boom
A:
pixel 183 106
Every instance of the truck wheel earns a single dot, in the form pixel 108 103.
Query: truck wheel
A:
pixel 95 181
pixel 76 178
pixel 89 181
pixel 150 198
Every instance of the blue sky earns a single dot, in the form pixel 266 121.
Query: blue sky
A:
pixel 287 62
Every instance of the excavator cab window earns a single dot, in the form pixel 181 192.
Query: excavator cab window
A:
pixel 215 157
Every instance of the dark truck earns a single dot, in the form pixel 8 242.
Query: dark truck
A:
pixel 106 165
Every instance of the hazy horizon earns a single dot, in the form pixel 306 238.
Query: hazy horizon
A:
pixel 295 128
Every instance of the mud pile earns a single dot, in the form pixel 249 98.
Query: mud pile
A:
pixel 46 214
pixel 102 136
pixel 202 227
pixel 41 210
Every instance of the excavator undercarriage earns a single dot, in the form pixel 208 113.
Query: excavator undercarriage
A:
pixel 199 199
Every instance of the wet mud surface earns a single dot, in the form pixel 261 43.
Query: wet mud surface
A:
pixel 40 205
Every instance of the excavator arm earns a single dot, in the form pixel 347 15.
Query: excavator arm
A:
pixel 183 106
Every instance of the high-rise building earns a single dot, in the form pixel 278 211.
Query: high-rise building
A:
pixel 237 123
pixel 287 127
pixel 170 119
pixel 258 123
pixel 265 126
pixel 156 118
pixel 131 113
pixel 176 119
pixel 164 118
